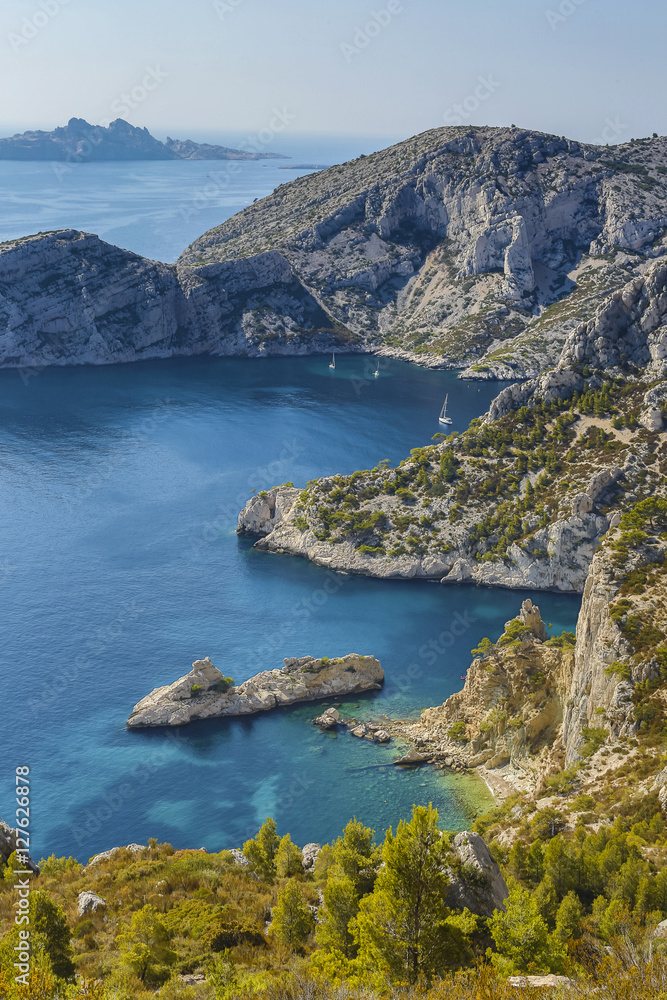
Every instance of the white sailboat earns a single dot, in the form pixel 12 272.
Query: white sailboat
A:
pixel 333 361
pixel 376 373
pixel 443 418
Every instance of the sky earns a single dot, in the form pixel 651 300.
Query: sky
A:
pixel 593 70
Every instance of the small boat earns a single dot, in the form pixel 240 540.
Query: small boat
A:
pixel 333 361
pixel 443 418
pixel 376 373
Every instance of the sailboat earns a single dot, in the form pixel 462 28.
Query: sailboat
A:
pixel 443 418
pixel 376 373
pixel 333 361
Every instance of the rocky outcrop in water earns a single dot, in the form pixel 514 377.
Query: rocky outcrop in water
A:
pixel 205 693
pixel 78 141
pixel 475 246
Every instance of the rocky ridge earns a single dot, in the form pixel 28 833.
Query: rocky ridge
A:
pixel 461 246
pixel 205 693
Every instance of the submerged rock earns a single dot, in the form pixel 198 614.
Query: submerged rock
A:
pixel 200 694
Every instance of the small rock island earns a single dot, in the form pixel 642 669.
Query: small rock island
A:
pixel 205 693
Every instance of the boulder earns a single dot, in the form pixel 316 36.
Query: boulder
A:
pixel 539 982
pixel 480 884
pixel 89 902
pixel 381 736
pixel 7 840
pixel 412 757
pixel 301 679
pixel 359 731
pixel 309 855
pixel 328 719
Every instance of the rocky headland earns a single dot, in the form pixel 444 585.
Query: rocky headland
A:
pixel 79 142
pixel 205 693
pixel 477 247
pixel 525 495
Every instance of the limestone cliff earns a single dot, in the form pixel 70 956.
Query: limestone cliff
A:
pixel 205 693
pixel 533 708
pixel 460 246
pixel 69 298
pixel 508 716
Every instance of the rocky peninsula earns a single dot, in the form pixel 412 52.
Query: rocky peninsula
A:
pixel 205 693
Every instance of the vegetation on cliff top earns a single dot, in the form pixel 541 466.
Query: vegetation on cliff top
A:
pixel 495 485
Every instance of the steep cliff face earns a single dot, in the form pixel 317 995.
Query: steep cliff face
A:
pixel 480 246
pixel 453 243
pixel 69 298
pixel 629 327
pixel 592 689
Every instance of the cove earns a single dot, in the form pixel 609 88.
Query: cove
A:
pixel 119 565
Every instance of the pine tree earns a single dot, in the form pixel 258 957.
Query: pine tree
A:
pixel 292 920
pixel 522 937
pixel 568 918
pixel 341 904
pixel 401 924
pixel 144 944
pixel 50 926
pixel 288 858
pixel 261 850
pixel 356 856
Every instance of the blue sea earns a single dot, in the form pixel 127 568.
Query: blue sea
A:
pixel 119 565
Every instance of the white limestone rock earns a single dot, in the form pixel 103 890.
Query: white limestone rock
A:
pixel 301 679
pixel 329 719
pixel 89 902
pixel 309 855
pixel 486 893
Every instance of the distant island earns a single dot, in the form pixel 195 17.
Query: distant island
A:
pixel 80 141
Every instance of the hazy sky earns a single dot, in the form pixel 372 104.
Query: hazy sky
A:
pixel 387 68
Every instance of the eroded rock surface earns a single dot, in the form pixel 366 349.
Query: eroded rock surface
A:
pixel 197 695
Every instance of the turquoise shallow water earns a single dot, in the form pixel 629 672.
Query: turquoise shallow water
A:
pixel 119 565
